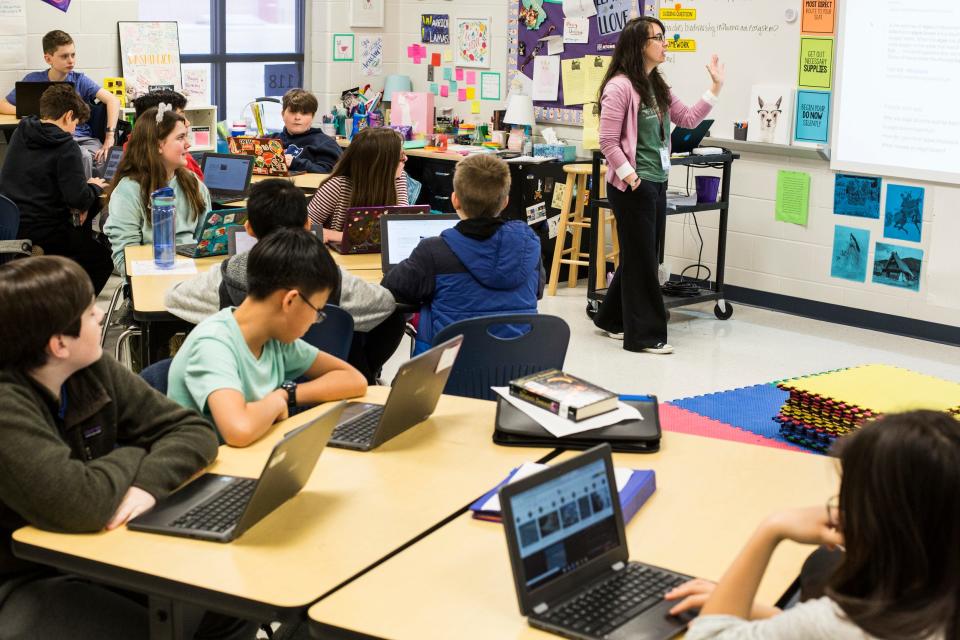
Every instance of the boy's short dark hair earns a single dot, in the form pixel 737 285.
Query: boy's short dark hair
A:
pixel 150 100
pixel 55 39
pixel 300 101
pixel 290 259
pixel 275 204
pixel 59 99
pixel 481 182
pixel 41 297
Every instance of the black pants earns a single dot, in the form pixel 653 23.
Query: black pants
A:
pixel 633 304
pixel 80 245
pixel 371 349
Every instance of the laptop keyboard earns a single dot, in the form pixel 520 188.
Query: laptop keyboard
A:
pixel 221 511
pixel 187 250
pixel 615 601
pixel 359 430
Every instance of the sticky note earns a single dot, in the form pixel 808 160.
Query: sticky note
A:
pixel 447 73
pixel 459 75
pixel 461 95
pixel 447 55
pixel 435 60
pixel 471 93
pixel 434 88
pixel 471 77
pixel 444 92
pixel 475 107
pixel 453 87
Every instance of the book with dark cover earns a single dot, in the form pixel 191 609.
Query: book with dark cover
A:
pixel 565 395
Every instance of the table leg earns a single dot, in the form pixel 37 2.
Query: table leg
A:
pixel 171 620
pixel 145 344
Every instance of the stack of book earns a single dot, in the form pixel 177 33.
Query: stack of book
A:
pixel 565 395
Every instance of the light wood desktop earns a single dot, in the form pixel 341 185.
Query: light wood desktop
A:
pixel 303 180
pixel 8 121
pixel 419 153
pixel 356 509
pixel 710 496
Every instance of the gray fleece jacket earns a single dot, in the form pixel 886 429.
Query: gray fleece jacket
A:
pixel 195 299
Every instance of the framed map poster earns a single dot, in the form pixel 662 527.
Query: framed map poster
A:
pixel 150 55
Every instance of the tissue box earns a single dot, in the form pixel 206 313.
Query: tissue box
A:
pixel 414 109
pixel 562 152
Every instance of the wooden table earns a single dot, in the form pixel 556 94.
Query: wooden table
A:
pixel 711 494
pixel 356 509
pixel 308 181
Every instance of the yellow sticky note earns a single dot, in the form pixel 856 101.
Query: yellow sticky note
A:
pixel 558 189
pixel 573 75
pixel 591 125
pixel 447 55
pixel 596 68
pixel 471 93
pixel 475 105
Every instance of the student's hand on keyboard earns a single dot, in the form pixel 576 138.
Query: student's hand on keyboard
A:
pixel 329 235
pixel 694 593
pixel 135 502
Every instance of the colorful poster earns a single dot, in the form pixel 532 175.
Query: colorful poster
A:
pixel 819 16
pixel 793 197
pixel 612 15
pixel 897 266
pixel 813 117
pixel 371 55
pixel 850 247
pixel 343 47
pixel 150 55
pixel 473 42
pixel 856 196
pixel 903 213
pixel 435 28
pixel 816 63
pixel 771 114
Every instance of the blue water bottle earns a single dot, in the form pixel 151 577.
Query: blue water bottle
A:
pixel 163 220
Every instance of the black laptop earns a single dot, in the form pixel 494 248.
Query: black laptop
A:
pixel 220 508
pixel 227 176
pixel 568 550
pixel 28 97
pixel 686 140
pixel 400 233
pixel 113 162
pixel 414 394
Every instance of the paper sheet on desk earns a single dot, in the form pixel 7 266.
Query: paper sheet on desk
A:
pixel 622 476
pixel 149 268
pixel 561 427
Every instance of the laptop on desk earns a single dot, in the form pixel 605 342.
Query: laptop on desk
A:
pixel 28 97
pixel 113 161
pixel 568 551
pixel 401 233
pixel 361 227
pixel 220 508
pixel 413 397
pixel 686 140
pixel 227 176
pixel 212 238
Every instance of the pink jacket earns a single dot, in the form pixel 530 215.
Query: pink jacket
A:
pixel 620 105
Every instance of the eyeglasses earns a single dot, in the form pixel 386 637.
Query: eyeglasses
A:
pixel 833 512
pixel 659 38
pixel 321 315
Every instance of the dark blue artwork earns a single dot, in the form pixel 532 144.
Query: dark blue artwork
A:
pixel 897 265
pixel 903 213
pixel 850 247
pixel 856 196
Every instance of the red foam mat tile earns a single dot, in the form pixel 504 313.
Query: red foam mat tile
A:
pixel 677 420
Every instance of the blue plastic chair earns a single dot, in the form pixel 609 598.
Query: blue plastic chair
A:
pixel 156 375
pixel 335 334
pixel 486 360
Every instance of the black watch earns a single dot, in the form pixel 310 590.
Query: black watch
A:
pixel 291 388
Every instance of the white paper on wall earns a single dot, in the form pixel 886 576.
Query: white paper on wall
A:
pixel 546 78
pixel 943 261
pixel 13 52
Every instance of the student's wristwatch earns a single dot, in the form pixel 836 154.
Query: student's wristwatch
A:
pixel 291 388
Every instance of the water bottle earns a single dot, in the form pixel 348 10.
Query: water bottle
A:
pixel 163 220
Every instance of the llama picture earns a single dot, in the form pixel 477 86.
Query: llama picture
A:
pixel 771 114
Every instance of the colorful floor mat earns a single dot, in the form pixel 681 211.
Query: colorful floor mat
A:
pixel 752 409
pixel 678 420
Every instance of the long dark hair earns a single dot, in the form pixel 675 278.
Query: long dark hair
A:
pixel 628 60
pixel 900 518
pixel 371 164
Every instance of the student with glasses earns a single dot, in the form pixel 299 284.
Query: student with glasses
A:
pixel 237 367
pixel 636 108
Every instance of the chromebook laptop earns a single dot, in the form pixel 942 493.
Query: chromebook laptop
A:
pixel 361 227
pixel 113 161
pixel 686 140
pixel 414 394
pixel 568 551
pixel 400 234
pixel 212 237
pixel 220 508
pixel 227 176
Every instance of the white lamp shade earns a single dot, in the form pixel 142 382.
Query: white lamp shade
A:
pixel 396 83
pixel 519 110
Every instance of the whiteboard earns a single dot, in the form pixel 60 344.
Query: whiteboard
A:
pixel 755 40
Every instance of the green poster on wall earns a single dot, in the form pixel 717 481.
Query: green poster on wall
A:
pixel 816 63
pixel 793 197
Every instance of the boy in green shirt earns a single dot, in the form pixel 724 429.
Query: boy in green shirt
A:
pixel 237 367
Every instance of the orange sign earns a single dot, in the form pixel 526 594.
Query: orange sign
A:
pixel 819 16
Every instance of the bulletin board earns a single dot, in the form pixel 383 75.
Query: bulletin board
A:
pixel 531 20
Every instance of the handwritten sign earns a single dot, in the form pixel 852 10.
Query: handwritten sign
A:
pixel 612 15
pixel 371 55
pixel 473 42
pixel 435 28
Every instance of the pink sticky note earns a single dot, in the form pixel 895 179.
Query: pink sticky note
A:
pixel 471 93
pixel 416 52
pixel 471 77
pixel 461 95
pixel 435 60
pixel 459 75
pixel 444 91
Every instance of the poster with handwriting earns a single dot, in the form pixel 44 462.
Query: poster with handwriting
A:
pixel 612 15
pixel 435 28
pixel 371 55
pixel 473 42
pixel 150 55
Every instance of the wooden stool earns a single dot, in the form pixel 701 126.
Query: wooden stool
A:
pixel 573 256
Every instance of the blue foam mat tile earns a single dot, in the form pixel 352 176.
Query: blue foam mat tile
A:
pixel 752 409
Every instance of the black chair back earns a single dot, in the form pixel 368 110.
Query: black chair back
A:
pixel 335 334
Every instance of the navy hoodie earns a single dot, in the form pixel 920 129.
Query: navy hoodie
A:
pixel 313 151
pixel 43 174
pixel 479 268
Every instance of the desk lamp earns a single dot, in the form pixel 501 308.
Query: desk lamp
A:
pixel 519 112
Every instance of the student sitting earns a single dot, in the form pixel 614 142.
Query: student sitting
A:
pixel 85 444
pixel 483 266
pixel 307 148
pixel 60 53
pixel 44 176
pixel 898 521
pixel 278 204
pixel 237 366
pixel 179 104
pixel 155 157
pixel 375 158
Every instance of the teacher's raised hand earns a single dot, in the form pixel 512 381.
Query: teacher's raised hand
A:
pixel 718 72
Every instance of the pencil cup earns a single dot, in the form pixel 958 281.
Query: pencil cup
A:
pixel 739 133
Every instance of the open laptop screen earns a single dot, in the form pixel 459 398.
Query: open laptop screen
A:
pixel 564 523
pixel 226 173
pixel 402 233
pixel 113 161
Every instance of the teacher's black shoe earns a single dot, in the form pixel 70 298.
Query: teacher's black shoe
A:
pixel 661 348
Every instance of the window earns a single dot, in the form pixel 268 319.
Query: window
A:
pixel 235 45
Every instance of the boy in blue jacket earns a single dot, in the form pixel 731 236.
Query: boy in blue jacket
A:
pixel 483 266
pixel 307 148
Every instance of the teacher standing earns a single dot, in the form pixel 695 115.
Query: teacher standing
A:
pixel 636 108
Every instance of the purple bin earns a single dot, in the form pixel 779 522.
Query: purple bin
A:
pixel 707 188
